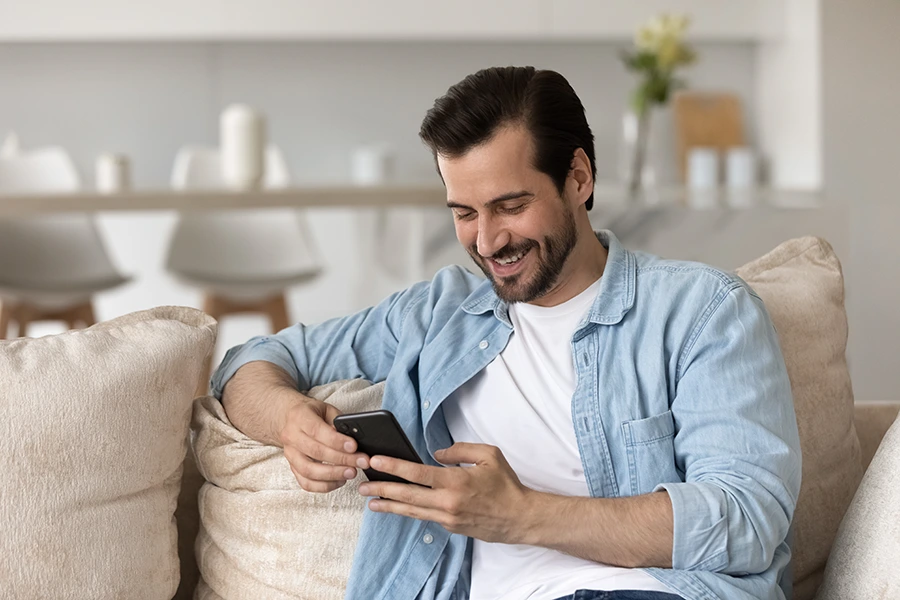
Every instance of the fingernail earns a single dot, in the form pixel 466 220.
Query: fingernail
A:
pixel 349 473
pixel 348 446
pixel 361 463
pixel 364 490
pixel 375 462
pixel 374 504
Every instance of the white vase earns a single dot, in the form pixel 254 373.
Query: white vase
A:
pixel 636 153
pixel 242 138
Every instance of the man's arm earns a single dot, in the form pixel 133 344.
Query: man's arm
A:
pixel 259 382
pixel 488 502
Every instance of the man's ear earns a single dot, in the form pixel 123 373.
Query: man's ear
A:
pixel 580 182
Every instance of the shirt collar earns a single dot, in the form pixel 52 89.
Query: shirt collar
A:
pixel 614 300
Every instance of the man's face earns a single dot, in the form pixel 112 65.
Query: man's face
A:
pixel 509 216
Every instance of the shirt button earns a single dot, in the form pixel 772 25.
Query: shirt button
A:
pixel 426 404
pixel 483 344
pixel 428 538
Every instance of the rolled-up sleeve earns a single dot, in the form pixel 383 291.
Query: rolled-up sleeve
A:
pixel 362 345
pixel 736 441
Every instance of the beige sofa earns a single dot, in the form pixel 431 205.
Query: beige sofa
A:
pixel 872 421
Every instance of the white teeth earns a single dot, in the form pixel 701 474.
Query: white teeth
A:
pixel 509 261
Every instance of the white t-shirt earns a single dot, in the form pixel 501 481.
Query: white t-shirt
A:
pixel 522 403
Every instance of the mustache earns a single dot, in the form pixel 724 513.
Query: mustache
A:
pixel 507 251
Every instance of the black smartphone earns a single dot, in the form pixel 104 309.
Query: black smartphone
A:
pixel 377 432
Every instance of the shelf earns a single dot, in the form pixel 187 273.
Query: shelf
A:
pixel 347 196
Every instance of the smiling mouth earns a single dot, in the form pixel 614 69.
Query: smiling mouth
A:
pixel 510 265
pixel 511 259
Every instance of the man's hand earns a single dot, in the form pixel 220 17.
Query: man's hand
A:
pixel 263 402
pixel 321 459
pixel 484 501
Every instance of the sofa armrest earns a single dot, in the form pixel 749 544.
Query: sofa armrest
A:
pixel 873 419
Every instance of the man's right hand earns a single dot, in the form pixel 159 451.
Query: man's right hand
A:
pixel 321 459
pixel 262 401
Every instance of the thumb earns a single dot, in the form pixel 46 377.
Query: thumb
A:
pixel 330 413
pixel 464 452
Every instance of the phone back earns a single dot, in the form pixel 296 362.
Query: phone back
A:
pixel 378 433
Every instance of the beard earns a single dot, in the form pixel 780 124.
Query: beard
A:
pixel 557 246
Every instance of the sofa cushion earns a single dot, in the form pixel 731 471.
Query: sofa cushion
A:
pixel 802 286
pixel 863 561
pixel 92 439
pixel 261 535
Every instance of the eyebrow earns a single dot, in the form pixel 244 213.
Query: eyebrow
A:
pixel 497 200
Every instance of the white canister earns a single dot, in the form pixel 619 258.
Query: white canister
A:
pixel 703 168
pixel 112 173
pixel 373 164
pixel 242 137
pixel 740 168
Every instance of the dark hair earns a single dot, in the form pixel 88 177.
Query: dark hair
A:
pixel 472 110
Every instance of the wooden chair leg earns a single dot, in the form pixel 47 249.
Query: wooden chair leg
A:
pixel 5 311
pixel 86 315
pixel 276 309
pixel 23 314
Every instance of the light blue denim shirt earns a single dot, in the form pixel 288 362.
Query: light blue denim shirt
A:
pixel 681 386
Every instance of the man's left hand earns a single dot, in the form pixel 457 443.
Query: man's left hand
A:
pixel 485 501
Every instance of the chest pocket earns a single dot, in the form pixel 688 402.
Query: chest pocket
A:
pixel 650 447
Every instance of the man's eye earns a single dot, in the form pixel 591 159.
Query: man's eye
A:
pixel 514 209
pixel 464 216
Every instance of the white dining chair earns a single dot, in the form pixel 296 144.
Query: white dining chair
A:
pixel 243 260
pixel 50 265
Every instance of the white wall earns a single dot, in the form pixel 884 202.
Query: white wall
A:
pixel 861 128
pixel 789 98
pixel 321 99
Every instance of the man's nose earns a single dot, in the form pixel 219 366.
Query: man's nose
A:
pixel 491 237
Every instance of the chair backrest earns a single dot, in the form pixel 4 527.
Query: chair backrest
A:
pixel 56 252
pixel 238 245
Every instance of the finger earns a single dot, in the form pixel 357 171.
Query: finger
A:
pixel 317 471
pixel 322 453
pixel 321 487
pixel 331 412
pixel 464 452
pixel 410 471
pixel 406 493
pixel 409 510
pixel 325 433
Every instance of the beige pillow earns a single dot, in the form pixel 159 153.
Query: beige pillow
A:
pixel 92 438
pixel 863 562
pixel 261 535
pixel 802 286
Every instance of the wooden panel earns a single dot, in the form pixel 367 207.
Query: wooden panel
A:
pixel 707 119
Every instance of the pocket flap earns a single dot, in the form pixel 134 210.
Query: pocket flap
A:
pixel 649 430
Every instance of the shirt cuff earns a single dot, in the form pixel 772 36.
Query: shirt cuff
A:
pixel 700 540
pixel 258 348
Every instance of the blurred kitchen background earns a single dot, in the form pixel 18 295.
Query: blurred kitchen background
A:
pixel 816 83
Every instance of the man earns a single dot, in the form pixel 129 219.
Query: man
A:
pixel 611 425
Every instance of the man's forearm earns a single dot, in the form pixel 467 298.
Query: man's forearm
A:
pixel 257 399
pixel 627 532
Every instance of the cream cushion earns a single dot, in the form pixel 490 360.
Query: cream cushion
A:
pixel 92 440
pixel 261 535
pixel 863 561
pixel 802 286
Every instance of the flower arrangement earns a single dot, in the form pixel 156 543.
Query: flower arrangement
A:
pixel 659 50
